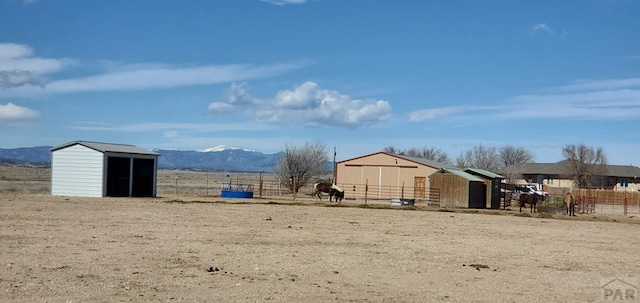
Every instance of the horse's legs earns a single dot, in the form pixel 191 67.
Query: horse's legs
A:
pixel 573 209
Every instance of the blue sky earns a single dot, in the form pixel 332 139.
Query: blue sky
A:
pixel 356 75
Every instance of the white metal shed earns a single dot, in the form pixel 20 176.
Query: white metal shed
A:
pixel 94 169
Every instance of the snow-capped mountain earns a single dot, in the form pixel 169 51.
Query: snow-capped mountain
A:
pixel 220 157
pixel 220 148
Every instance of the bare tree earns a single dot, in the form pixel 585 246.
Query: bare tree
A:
pixel 461 161
pixel 302 163
pixel 480 156
pixel 588 164
pixel 429 153
pixel 511 155
pixel 390 149
pixel 513 172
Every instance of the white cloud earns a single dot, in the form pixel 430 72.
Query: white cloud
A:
pixel 14 50
pixel 19 68
pixel 306 104
pixel 236 95
pixel 284 2
pixel 600 105
pixel 19 57
pixel 171 127
pixel 435 113
pixel 590 104
pixel 170 134
pixel 17 61
pixel 607 84
pixel 19 78
pixel 304 96
pixel 310 105
pixel 220 107
pixel 11 113
pixel 239 95
pixel 541 27
pixel 149 78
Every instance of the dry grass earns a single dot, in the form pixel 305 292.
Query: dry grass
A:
pixel 195 247
pixel 58 249
pixel 24 180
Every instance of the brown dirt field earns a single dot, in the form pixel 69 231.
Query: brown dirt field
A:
pixel 57 249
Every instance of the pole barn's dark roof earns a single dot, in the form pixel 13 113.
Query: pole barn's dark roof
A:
pixel 108 147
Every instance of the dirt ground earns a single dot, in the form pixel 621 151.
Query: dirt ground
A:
pixel 57 249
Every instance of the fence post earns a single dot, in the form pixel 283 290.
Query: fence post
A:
pixel 366 190
pixel 402 191
pixel 625 204
pixel 295 187
pixel 206 187
pixel 260 186
pixel 176 185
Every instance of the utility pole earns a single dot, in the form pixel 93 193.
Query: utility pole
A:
pixel 334 165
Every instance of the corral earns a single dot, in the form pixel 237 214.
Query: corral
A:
pixel 203 248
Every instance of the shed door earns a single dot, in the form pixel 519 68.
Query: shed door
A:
pixel 118 170
pixel 142 185
pixel 419 187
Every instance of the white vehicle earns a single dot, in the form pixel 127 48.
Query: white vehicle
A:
pixel 531 188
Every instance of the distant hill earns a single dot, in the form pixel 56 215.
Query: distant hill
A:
pixel 226 159
pixel 27 154
pixel 219 158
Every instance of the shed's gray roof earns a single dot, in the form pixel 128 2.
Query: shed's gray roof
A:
pixel 563 168
pixel 108 147
pixel 460 173
pixel 485 173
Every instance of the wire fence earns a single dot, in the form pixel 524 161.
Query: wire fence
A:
pixel 588 201
pixel 592 201
pixel 268 187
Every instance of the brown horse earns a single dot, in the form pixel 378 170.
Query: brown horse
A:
pixel 529 198
pixel 332 189
pixel 570 202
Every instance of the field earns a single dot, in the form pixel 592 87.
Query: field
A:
pixel 199 248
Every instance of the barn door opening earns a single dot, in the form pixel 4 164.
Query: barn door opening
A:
pixel 420 187
pixel 142 185
pixel 118 171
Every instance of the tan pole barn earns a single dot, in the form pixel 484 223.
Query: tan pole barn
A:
pixel 386 176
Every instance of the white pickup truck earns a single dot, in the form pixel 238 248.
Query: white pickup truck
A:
pixel 531 188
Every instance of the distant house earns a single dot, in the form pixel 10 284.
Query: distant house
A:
pixel 94 169
pixel 617 177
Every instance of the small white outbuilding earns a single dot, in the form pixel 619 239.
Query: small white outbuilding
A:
pixel 94 169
